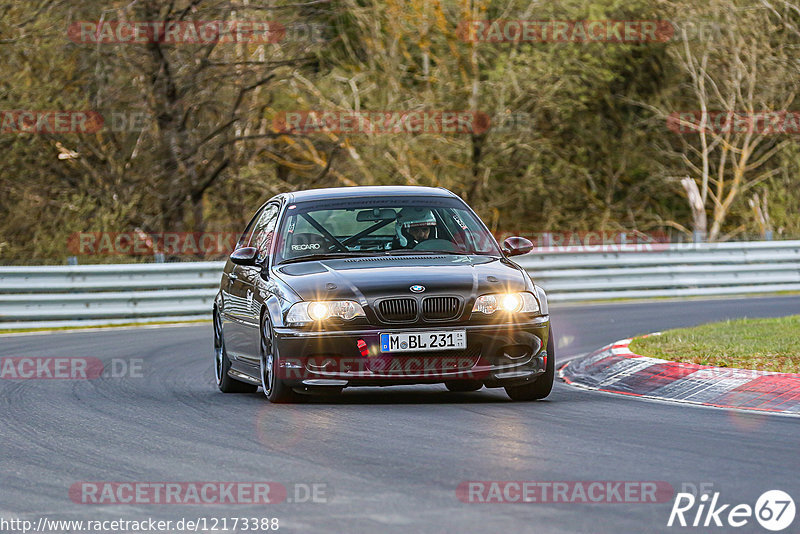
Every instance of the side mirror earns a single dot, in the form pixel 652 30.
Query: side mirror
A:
pixel 246 256
pixel 516 246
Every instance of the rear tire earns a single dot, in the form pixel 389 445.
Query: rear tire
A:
pixel 222 364
pixel 462 386
pixel 542 386
pixel 274 388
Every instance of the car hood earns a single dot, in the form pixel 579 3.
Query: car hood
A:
pixel 368 278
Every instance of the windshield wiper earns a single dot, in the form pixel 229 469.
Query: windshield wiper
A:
pixel 412 252
pixel 330 256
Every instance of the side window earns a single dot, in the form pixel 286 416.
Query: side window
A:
pixel 248 231
pixel 264 230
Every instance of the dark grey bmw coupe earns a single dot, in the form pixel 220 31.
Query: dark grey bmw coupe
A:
pixel 376 286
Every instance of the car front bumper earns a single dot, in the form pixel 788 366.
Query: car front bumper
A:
pixel 496 355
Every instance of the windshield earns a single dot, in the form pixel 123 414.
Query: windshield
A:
pixel 376 225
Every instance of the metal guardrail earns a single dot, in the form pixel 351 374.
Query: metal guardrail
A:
pixel 59 296
pixel 674 270
pixel 33 297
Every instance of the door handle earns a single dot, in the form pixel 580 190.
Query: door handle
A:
pixel 232 277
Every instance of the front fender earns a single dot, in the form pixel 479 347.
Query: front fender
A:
pixel 541 296
pixel 274 308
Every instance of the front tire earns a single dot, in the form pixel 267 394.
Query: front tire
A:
pixel 222 364
pixel 274 388
pixel 542 386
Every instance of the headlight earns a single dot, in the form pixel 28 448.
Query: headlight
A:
pixel 506 302
pixel 307 312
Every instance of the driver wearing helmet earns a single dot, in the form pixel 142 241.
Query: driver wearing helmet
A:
pixel 413 225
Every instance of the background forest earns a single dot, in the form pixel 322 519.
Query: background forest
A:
pixel 582 134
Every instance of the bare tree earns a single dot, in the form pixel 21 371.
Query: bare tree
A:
pixel 738 86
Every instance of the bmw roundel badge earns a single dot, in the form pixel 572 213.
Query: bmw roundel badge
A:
pixel 417 288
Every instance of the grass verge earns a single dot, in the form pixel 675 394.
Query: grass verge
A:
pixel 761 344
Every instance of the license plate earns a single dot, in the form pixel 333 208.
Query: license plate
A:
pixel 424 341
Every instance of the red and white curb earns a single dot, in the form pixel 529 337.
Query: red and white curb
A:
pixel 615 369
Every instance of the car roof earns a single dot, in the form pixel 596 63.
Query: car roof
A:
pixel 367 191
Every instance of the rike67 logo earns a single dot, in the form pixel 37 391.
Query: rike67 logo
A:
pixel 774 510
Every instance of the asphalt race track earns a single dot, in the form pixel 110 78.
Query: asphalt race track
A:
pixel 390 459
